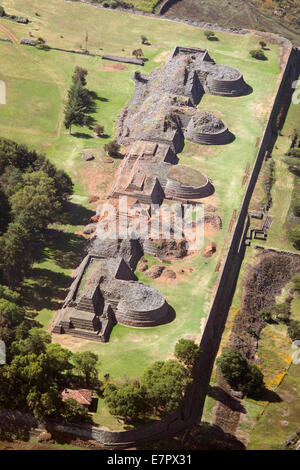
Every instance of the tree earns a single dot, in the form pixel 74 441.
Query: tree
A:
pixel 72 411
pixel 165 384
pixel 282 311
pixel 2 12
pixel 85 365
pixel 144 40
pixel 258 54
pixel 13 313
pixel 126 401
pixel 79 75
pixel 187 352
pixel 294 237
pixel 294 330
pixel 4 212
pixel 36 197
pixel 99 130
pixel 296 283
pixel 241 375
pixel 77 106
pixel 112 148
pixel 138 53
pixel 35 343
pixel 15 253
pixel 58 359
pixel 45 405
pixel 209 35
pixel 266 315
pixel 262 44
pixel 137 75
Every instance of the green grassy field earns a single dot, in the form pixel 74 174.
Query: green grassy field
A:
pixel 35 118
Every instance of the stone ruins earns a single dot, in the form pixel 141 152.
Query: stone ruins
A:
pixel 153 126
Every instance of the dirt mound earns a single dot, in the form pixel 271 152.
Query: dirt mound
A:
pixel 209 250
pixel 173 248
pixel 107 160
pixel 142 267
pixel 93 199
pixel 169 274
pixel 87 157
pixel 155 271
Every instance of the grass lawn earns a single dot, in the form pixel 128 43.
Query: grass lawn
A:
pixel 36 118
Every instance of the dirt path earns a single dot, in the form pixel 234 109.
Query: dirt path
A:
pixel 9 34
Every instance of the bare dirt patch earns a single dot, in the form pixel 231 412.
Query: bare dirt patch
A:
pixel 113 67
pixel 96 177
pixel 161 57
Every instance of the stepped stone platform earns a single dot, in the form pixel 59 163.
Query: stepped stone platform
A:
pixel 105 293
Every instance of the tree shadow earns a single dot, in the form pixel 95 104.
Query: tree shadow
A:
pixel 214 38
pixel 65 249
pixel 95 97
pixel 81 135
pixel 270 396
pixel 75 214
pixel 221 395
pixel 43 288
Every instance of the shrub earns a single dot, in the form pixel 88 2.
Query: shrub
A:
pixel 241 375
pixel 112 148
pixel 258 54
pixel 296 283
pixel 294 237
pixel 209 34
pixel 294 330
pixel 262 44
pixel 99 130
pixel 282 311
pixel 266 315
pixel 137 75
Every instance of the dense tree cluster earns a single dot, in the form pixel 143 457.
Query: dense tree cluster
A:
pixel 160 389
pixel 37 370
pixel 32 193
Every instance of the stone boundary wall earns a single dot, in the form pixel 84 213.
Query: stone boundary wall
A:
pixel 126 60
pixel 5 40
pixel 272 250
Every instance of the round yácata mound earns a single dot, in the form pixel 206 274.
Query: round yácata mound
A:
pixel 205 128
pixel 186 176
pixel 142 306
pixel 186 183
